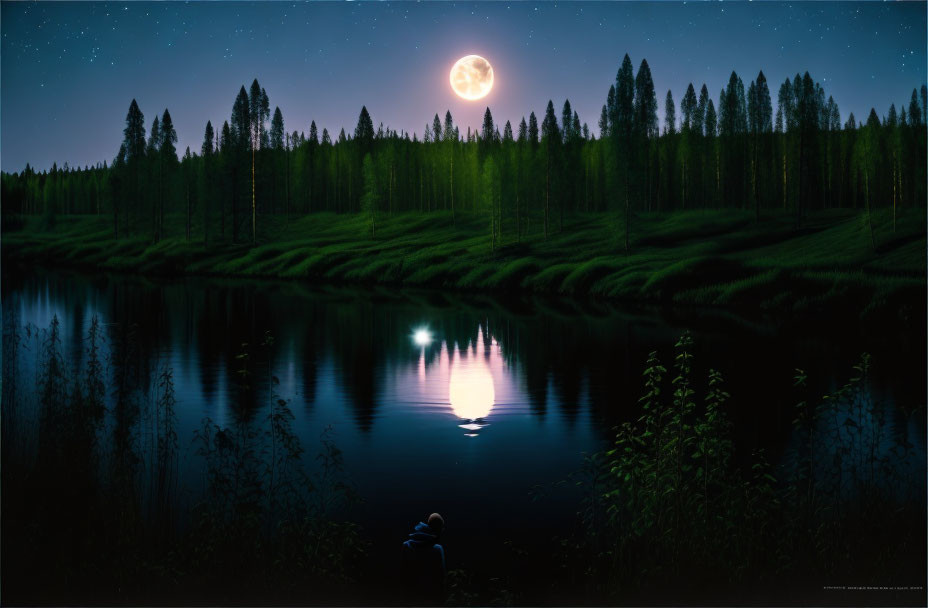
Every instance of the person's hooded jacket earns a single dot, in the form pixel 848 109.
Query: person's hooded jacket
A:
pixel 424 563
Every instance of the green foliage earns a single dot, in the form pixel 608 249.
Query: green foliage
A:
pixel 668 503
pixel 828 268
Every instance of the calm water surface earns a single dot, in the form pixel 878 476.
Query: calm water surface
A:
pixel 480 414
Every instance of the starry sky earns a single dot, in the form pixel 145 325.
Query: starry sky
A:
pixel 69 70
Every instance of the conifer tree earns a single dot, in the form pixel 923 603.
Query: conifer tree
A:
pixel 688 108
pixel 207 149
pixel 532 129
pixel 364 131
pixel 133 153
pixel 915 112
pixel 550 136
pixel 277 130
pixel 567 121
pixel 167 164
pixel 670 115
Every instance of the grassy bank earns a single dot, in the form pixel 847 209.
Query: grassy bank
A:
pixel 705 258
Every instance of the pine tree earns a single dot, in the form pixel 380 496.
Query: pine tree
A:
pixel 364 131
pixel 646 124
pixel 207 149
pixel 712 129
pixel 507 132
pixel 915 112
pixel 699 114
pixel 236 145
pixel 688 108
pixel 670 115
pixel 133 152
pixel 623 129
pixel 924 95
pixel 277 130
pixel 567 122
pixel 167 164
pixel 153 156
pixel 532 129
pixel 448 131
pixel 550 136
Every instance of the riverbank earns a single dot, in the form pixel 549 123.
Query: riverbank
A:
pixel 719 259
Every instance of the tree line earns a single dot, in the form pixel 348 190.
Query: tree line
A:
pixel 729 152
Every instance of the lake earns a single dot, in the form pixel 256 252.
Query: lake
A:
pixel 479 407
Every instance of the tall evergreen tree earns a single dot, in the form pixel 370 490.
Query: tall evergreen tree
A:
pixel 167 164
pixel 448 129
pixel 364 131
pixel 550 137
pixel 699 113
pixel 688 108
pixel 670 115
pixel 487 131
pixel 567 121
pixel 153 158
pixel 646 124
pixel 623 129
pixel 277 130
pixel 915 112
pixel 134 152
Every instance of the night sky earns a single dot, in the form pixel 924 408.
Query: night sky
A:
pixel 70 70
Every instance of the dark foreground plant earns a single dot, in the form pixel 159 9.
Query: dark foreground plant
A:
pixel 669 514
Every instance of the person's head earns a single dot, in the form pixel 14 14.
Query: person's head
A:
pixel 436 523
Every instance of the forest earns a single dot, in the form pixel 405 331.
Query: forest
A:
pixel 729 153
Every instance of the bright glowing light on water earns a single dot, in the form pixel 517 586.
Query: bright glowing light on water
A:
pixel 470 390
pixel 422 337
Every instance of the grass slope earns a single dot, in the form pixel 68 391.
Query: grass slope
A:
pixel 706 258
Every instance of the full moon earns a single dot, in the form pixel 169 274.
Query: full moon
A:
pixel 472 77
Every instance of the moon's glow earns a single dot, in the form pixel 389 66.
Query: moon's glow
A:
pixel 472 77
pixel 470 390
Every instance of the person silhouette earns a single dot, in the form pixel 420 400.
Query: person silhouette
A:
pixel 424 562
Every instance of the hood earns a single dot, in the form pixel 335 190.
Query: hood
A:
pixel 423 535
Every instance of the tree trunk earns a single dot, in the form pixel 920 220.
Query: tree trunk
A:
pixel 627 212
pixel 254 234
pixel 451 188
pixel 894 190
pixel 547 188
pixel 784 172
pixel 287 160
pixel 869 215
pixel 754 181
pixel 683 185
pixel 188 211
